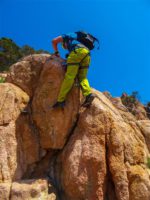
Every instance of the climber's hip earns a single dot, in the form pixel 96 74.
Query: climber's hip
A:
pixel 80 57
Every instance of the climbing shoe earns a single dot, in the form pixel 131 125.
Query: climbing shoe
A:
pixel 88 100
pixel 59 104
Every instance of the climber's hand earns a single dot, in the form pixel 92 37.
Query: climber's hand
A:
pixel 67 54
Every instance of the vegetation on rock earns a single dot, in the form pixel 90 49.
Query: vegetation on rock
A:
pixel 129 100
pixel 10 52
pixel 2 80
pixel 147 108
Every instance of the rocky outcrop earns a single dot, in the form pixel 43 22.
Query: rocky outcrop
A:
pixel 40 77
pixel 84 157
pixel 26 72
pixel 106 147
pixel 95 153
pixel 144 126
pixel 12 101
pixel 46 118
pixel 136 108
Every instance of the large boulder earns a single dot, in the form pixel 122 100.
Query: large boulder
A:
pixel 95 153
pixel 19 148
pixel 106 152
pixel 16 136
pixel 54 124
pixel 26 72
pixel 84 164
pixel 40 76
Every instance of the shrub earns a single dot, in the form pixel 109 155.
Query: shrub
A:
pixel 10 53
pixel 2 80
pixel 130 100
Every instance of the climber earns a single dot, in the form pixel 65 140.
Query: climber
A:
pixel 79 45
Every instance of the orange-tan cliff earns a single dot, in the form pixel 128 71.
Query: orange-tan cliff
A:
pixel 96 153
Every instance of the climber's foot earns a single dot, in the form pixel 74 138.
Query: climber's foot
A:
pixel 89 99
pixel 59 104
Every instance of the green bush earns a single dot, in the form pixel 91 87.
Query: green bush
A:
pixel 10 52
pixel 129 100
pixel 2 80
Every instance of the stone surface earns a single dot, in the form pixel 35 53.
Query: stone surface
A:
pixel 54 124
pixel 104 141
pixel 5 191
pixel 25 73
pixel 144 126
pixel 95 153
pixel 137 109
pixel 140 112
pixel 84 157
pixel 127 150
pixel 139 183
pixel 32 190
pixel 19 146
pixel 40 76
pixel 13 100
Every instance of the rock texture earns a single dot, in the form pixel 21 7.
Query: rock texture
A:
pixel 31 189
pixel 12 101
pixel 25 73
pixel 46 118
pixel 84 157
pixel 96 153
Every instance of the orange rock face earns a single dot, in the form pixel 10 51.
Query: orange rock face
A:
pixel 84 157
pixel 96 153
pixel 12 102
pixel 54 124
pixel 25 73
pixel 104 155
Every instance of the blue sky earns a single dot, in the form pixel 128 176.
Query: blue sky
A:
pixel 123 26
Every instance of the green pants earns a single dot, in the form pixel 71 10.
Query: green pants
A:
pixel 74 58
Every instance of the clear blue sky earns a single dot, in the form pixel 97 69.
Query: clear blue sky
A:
pixel 123 27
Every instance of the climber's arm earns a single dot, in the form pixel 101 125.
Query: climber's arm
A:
pixel 55 42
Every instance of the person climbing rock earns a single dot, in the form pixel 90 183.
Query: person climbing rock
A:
pixel 79 45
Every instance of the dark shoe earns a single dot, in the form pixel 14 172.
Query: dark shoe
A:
pixel 59 104
pixel 89 99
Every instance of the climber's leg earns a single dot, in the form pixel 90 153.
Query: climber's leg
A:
pixel 86 90
pixel 73 60
pixel 70 75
